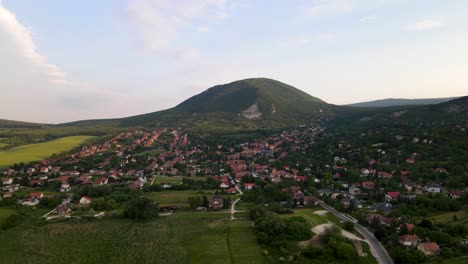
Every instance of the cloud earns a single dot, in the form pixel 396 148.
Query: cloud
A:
pixel 159 21
pixel 428 24
pixel 330 7
pixel 22 37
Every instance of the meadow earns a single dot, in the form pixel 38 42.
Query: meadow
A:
pixel 4 213
pixel 38 151
pixel 168 239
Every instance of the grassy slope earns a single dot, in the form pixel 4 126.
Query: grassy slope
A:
pixel 166 240
pixel 32 152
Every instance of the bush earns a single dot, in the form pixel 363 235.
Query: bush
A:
pixel 140 208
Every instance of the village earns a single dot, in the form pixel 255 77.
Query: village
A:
pixel 282 167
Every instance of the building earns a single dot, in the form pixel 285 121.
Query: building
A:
pixel 429 248
pixel 217 202
pixel 409 240
pixel 85 200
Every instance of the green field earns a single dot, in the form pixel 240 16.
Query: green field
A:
pixel 4 213
pixel 38 151
pixel 308 214
pixel 164 240
pixel 446 218
pixel 176 179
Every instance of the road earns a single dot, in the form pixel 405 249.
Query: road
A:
pixel 377 250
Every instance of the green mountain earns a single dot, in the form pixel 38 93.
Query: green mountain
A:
pixel 245 104
pixel 401 102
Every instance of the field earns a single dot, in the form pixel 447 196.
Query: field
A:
pixel 446 218
pixel 165 240
pixel 176 197
pixel 176 179
pixel 38 151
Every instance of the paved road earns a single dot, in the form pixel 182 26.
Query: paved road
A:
pixel 233 208
pixel 377 250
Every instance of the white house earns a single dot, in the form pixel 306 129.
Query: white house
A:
pixel 85 200
pixel 7 181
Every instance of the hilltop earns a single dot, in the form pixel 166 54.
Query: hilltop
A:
pixel 247 104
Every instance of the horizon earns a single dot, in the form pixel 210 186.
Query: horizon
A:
pixel 111 59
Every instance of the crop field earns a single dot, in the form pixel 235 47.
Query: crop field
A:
pixel 38 151
pixel 176 179
pixel 164 240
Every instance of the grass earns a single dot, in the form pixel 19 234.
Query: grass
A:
pixel 3 145
pixel 33 152
pixel 309 215
pixel 187 239
pixel 4 213
pixel 176 179
pixel 446 218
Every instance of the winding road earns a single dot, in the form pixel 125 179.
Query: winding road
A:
pixel 377 250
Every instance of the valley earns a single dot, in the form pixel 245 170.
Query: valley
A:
pixel 160 186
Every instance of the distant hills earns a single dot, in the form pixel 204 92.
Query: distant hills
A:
pixel 401 101
pixel 261 103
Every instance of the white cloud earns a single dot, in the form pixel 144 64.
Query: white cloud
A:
pixel 330 7
pixel 22 37
pixel 158 21
pixel 428 24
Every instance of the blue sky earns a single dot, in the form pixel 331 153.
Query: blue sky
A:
pixel 70 60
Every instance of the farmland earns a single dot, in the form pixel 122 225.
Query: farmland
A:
pixel 165 240
pixel 38 151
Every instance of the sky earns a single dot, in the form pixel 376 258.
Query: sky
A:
pixel 72 60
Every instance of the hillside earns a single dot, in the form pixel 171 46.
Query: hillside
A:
pixel 245 104
pixel 401 102
pixel 18 124
pixel 454 111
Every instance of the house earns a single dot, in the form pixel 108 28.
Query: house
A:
pixel 7 181
pixel 409 240
pixel 382 207
pixel 433 188
pixel 224 185
pixel 65 187
pixel 216 202
pixel 232 190
pixel 354 190
pixel 368 185
pixel 249 186
pixel 85 200
pixel 63 209
pixel 455 194
pixel 7 195
pixel 429 248
pixel 44 170
pixel 166 186
pixel 410 160
pixel 409 227
pixel 440 170
pixel 137 185
pixel 382 219
pixel 392 196
pixel 300 178
pixel 36 195
pixel 29 202
pixel 385 175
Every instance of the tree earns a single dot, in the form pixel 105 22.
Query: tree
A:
pixel 140 208
pixel 195 201
pixel 205 202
